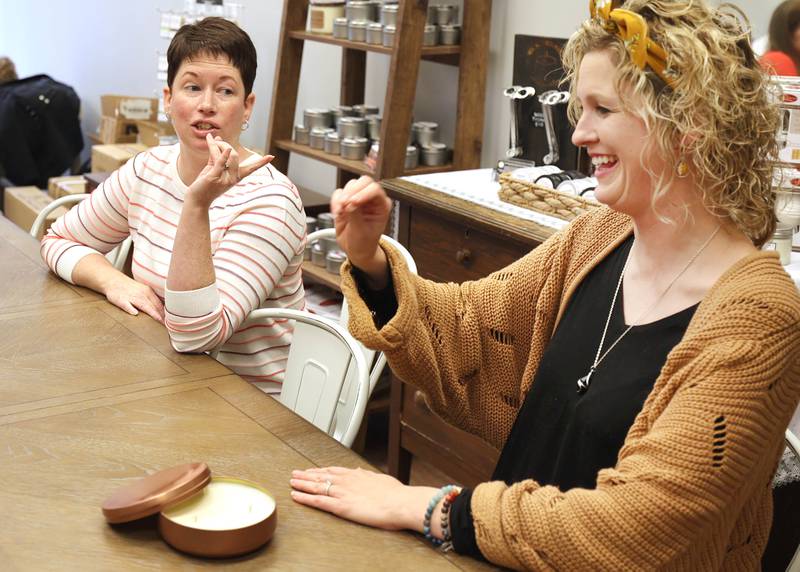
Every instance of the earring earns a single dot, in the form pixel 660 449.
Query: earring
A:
pixel 245 125
pixel 682 168
pixel 166 113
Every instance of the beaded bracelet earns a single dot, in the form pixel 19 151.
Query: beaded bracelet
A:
pixel 449 492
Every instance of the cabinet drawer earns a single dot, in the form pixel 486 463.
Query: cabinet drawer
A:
pixel 449 252
pixel 461 455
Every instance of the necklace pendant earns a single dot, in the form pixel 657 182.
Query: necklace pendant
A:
pixel 583 382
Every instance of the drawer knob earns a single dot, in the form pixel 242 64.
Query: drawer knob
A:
pixel 463 256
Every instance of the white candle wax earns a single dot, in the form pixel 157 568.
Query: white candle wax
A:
pixel 224 504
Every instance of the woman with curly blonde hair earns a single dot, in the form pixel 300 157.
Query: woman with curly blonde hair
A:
pixel 639 368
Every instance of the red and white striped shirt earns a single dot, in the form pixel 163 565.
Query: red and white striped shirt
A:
pixel 258 234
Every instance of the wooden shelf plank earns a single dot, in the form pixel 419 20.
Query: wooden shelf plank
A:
pixel 357 167
pixel 432 52
pixel 321 276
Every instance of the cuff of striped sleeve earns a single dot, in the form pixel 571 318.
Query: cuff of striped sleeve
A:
pixel 192 303
pixel 69 259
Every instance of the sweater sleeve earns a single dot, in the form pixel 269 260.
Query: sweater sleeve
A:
pixel 441 334
pixel 260 246
pixel 706 443
pixel 96 225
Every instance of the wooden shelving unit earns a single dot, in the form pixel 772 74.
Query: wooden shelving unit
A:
pixel 322 276
pixel 405 56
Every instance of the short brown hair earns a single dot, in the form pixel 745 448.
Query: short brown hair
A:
pixel 7 70
pixel 214 37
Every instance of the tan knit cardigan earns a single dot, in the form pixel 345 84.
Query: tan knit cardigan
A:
pixel 691 486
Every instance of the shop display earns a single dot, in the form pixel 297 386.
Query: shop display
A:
pixel 535 188
pixel 516 94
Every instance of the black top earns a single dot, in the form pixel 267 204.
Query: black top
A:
pixel 560 437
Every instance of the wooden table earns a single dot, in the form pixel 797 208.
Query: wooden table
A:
pixel 92 398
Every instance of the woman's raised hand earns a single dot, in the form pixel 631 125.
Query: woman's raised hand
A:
pixel 222 170
pixel 362 210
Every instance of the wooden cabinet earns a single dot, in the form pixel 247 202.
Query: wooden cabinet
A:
pixel 451 240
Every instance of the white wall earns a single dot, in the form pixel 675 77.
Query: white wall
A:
pixel 110 46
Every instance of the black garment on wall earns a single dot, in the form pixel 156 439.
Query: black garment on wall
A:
pixel 40 130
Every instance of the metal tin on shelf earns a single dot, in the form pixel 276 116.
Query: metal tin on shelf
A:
pixel 446 14
pixel 388 35
pixel 325 220
pixel 450 34
pixel 328 244
pixel 389 14
pixel 362 110
pixel 307 252
pixel 352 127
pixel 316 137
pixel 361 10
pixel 374 126
pixel 354 148
pixel 311 224
pixel 317 117
pixel 375 33
pixel 340 28
pixel 321 16
pixel 301 134
pixel 317 255
pixel 334 260
pixel 332 143
pixel 431 35
pixel 434 155
pixel 341 111
pixel 412 157
pixel 357 30
pixel 431 19
pixel 424 132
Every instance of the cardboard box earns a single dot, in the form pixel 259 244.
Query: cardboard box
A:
pixel 107 158
pixel 129 107
pixel 23 205
pixel 151 132
pixel 117 130
pixel 73 180
pixel 67 188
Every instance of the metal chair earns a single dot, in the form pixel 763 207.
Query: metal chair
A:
pixel 324 362
pixel 376 359
pixel 118 256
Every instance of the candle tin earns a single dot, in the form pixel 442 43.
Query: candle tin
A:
pixel 446 14
pixel 317 255
pixel 360 10
pixel 199 514
pixel 331 144
pixel 317 117
pixel 357 30
pixel 301 134
pixel 434 155
pixel 316 137
pixel 781 242
pixel 450 34
pixel 354 148
pixel 334 260
pixel 340 28
pixel 430 36
pixel 375 33
pixel 328 244
pixel 388 35
pixel 352 127
pixel 363 109
pixel 311 224
pixel 374 126
pixel 321 15
pixel 341 111
pixel 325 220
pixel 412 157
pixel 389 14
pixel 424 133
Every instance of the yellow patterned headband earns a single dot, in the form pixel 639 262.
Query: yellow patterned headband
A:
pixel 632 29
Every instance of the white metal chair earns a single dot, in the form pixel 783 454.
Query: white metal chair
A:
pixel 118 256
pixel 376 359
pixel 793 444
pixel 324 362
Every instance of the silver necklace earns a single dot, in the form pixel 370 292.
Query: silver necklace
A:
pixel 583 382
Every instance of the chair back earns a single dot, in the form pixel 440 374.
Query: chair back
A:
pixel 116 256
pixel 376 359
pixel 324 363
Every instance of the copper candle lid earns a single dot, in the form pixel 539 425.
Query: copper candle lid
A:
pixel 200 515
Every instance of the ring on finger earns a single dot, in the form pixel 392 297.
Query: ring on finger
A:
pixel 225 167
pixel 328 485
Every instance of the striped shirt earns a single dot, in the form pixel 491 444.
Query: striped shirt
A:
pixel 257 240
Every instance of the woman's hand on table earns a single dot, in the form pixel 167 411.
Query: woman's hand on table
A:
pixel 366 497
pixel 132 296
pixel 222 171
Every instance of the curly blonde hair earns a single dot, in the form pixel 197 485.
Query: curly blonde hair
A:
pixel 718 115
